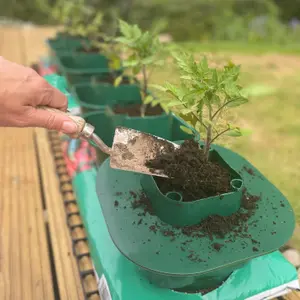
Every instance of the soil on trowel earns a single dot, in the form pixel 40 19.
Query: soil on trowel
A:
pixel 134 110
pixel 189 172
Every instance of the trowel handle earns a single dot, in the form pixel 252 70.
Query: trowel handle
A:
pixel 83 129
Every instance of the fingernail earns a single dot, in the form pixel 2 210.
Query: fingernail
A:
pixel 69 127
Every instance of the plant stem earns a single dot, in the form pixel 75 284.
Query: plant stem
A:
pixel 144 90
pixel 207 142
pixel 208 134
pixel 219 134
pixel 220 108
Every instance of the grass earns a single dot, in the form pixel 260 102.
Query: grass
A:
pixel 273 117
pixel 238 47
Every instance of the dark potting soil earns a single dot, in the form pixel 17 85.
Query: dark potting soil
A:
pixel 88 50
pixel 134 110
pixel 110 78
pixel 189 172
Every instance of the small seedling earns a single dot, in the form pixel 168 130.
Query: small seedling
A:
pixel 204 97
pixel 142 50
pixel 78 18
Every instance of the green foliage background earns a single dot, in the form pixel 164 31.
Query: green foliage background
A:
pixel 238 20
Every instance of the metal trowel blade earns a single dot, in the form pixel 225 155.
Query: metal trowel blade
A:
pixel 131 150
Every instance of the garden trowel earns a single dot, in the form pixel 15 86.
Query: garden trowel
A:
pixel 131 149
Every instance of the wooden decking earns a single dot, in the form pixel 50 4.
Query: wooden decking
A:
pixel 25 271
pixel 36 254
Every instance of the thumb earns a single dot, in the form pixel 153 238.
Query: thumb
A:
pixel 52 121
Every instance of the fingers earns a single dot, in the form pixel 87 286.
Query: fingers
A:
pixel 49 96
pixel 51 121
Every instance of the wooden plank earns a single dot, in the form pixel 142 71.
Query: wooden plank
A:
pixel 65 263
pixel 12 44
pixel 24 261
pixel 34 40
pixel 292 296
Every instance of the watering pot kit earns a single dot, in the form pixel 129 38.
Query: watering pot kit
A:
pixel 171 242
pixel 210 231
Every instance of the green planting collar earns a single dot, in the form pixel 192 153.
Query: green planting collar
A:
pixel 170 258
pixel 171 209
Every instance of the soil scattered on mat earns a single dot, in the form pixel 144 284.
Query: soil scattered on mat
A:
pixel 215 226
pixel 189 173
pixel 134 110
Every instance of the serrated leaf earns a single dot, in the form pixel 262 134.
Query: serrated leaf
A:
pixel 174 103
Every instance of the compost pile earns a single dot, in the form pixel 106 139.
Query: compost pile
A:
pixel 189 172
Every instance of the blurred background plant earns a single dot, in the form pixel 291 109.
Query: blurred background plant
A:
pixel 273 21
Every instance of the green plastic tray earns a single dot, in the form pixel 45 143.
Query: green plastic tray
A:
pixel 162 259
pixel 99 96
pixel 82 64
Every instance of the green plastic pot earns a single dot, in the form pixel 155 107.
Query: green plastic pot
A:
pixel 166 261
pixel 171 209
pixel 166 126
pixel 99 96
pixel 77 65
pixel 62 45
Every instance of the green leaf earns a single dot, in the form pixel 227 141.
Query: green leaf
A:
pixel 204 64
pixel 130 63
pixel 186 111
pixel 237 131
pixel 237 101
pixel 158 87
pixel 125 28
pixel 215 77
pixel 118 80
pixel 148 60
pixel 174 103
pixel 186 130
pixel 148 99
pixel 234 133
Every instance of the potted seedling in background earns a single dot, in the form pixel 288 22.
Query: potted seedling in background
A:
pixel 142 51
pixel 70 15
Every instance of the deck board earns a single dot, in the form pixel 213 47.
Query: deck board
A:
pixel 292 296
pixel 65 264
pixel 24 259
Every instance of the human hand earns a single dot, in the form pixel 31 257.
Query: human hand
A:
pixel 22 90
